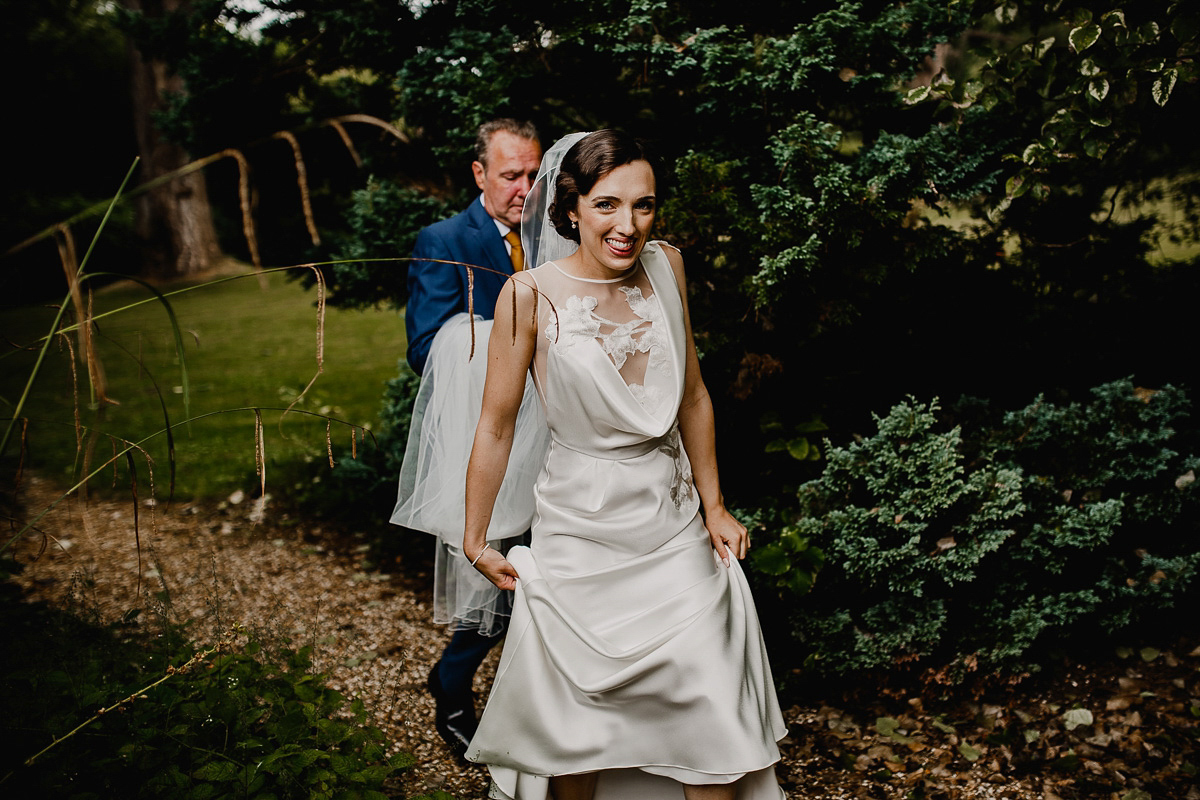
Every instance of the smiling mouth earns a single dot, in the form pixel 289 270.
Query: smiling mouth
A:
pixel 621 246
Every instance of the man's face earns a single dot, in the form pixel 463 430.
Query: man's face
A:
pixel 512 166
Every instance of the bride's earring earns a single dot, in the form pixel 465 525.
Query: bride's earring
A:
pixel 574 224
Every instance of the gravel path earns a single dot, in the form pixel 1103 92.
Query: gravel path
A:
pixel 371 632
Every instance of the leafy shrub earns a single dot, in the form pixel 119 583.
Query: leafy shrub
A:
pixel 980 550
pixel 235 725
pixel 383 222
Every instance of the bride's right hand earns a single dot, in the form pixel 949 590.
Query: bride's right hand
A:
pixel 497 569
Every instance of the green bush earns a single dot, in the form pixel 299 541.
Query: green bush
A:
pixel 234 724
pixel 383 221
pixel 981 545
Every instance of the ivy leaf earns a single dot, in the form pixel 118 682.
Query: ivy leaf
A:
pixel 1163 85
pixel 798 448
pixel 1185 27
pixel 1016 185
pixel 1083 37
pixel 914 96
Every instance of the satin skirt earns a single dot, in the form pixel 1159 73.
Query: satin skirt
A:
pixel 649 669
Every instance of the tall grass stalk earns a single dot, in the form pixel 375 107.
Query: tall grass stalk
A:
pixel 8 429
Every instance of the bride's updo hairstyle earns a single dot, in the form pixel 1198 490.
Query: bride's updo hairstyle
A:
pixel 589 160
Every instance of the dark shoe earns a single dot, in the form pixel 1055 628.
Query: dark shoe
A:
pixel 455 717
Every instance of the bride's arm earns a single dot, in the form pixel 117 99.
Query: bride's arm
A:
pixel 697 429
pixel 508 363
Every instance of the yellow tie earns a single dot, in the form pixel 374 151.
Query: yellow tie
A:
pixel 517 255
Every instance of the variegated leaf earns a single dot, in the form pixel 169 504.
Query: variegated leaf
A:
pixel 1083 37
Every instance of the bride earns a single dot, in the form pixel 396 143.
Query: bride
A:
pixel 634 666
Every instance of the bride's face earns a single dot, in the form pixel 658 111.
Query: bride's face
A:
pixel 615 219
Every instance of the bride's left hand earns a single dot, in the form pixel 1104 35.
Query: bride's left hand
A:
pixel 727 535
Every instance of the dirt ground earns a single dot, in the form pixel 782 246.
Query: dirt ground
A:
pixel 1116 727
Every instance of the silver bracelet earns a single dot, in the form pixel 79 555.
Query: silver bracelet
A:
pixel 486 545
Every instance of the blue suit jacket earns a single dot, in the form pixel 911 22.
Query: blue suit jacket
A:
pixel 437 292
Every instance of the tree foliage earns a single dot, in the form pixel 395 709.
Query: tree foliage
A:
pixel 874 198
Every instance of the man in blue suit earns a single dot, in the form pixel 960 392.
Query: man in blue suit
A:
pixel 507 156
pixel 486 234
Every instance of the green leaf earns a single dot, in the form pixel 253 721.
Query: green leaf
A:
pixel 771 560
pixel 798 448
pixel 968 752
pixel 1148 654
pixel 914 96
pixel 1016 185
pixel 1094 147
pixel 1083 37
pixel 1185 27
pixel 889 727
pixel 1147 32
pixel 1137 794
pixel 1164 84
pixel 800 582
pixel 1006 13
pixel 217 771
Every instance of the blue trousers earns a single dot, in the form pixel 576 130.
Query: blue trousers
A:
pixel 461 659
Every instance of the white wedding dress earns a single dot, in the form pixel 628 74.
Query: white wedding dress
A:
pixel 632 651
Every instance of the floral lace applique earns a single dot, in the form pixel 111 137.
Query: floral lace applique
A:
pixel 682 486
pixel 649 398
pixel 579 321
pixel 641 335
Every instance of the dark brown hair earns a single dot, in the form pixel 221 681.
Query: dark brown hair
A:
pixel 589 160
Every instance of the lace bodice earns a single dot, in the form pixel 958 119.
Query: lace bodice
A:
pixel 639 336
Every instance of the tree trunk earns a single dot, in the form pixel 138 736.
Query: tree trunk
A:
pixel 173 220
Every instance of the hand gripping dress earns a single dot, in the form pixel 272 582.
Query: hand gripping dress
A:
pixel 632 651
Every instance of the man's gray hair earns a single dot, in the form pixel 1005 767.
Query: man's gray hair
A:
pixel 487 130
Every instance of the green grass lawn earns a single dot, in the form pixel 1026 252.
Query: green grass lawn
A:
pixel 244 346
